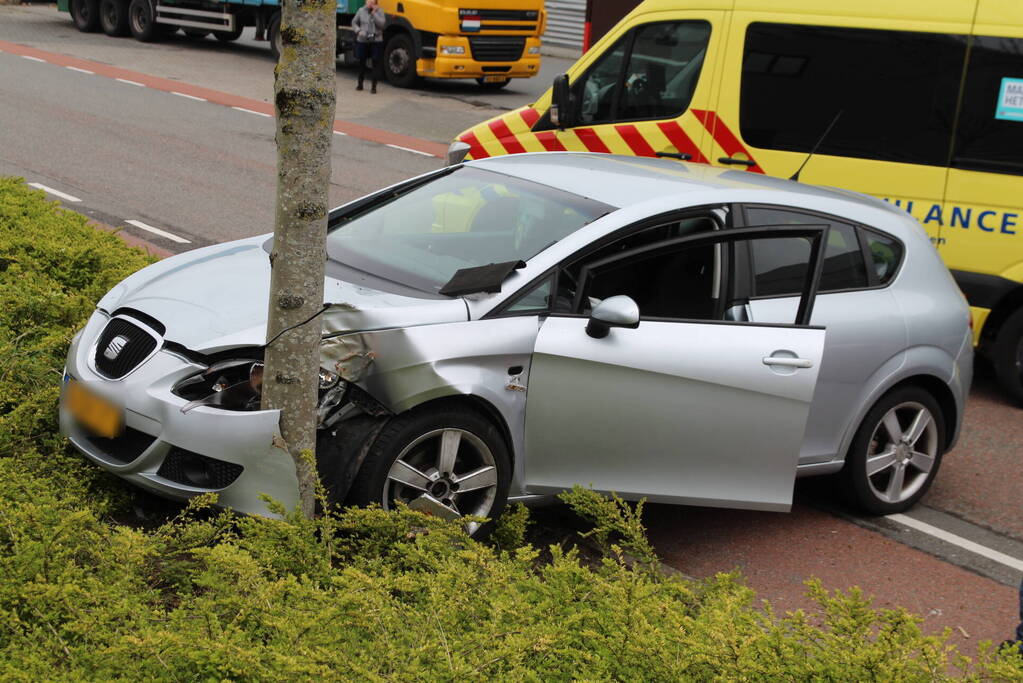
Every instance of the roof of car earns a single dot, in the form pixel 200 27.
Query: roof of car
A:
pixel 623 181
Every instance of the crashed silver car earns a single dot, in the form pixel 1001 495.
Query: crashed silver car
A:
pixel 507 328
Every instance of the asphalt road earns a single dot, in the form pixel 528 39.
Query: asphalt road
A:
pixel 181 143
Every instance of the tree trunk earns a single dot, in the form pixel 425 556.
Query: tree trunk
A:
pixel 304 98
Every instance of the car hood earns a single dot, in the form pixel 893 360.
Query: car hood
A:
pixel 216 298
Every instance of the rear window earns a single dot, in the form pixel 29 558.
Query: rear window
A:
pixel 893 92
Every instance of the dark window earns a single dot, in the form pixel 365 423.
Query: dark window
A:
pixel 843 258
pixel 651 72
pixel 779 266
pixel 894 92
pixel 989 136
pixel 886 253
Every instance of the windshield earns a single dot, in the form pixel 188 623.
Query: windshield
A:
pixel 466 218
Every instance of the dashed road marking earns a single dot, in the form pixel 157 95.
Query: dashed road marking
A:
pixel 157 231
pixel 250 111
pixel 337 132
pixel 81 71
pixel 964 543
pixel 191 97
pixel 125 80
pixel 56 193
pixel 34 59
pixel 409 149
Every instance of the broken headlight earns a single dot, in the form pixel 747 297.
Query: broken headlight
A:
pixel 237 385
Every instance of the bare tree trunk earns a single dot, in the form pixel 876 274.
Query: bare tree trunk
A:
pixel 305 99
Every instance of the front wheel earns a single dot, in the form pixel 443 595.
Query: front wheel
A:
pixel 85 15
pixel 400 61
pixel 896 452
pixel 142 22
pixel 1007 356
pixel 448 462
pixel 113 17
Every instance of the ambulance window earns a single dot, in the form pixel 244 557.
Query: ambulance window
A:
pixel 650 73
pixel 990 132
pixel 894 92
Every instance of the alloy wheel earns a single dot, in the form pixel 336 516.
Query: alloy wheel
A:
pixel 902 452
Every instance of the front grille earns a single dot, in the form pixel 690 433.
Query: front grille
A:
pixel 127 343
pixel 193 469
pixel 501 14
pixel 124 448
pixel 487 49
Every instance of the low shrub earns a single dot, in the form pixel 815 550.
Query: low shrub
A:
pixel 358 593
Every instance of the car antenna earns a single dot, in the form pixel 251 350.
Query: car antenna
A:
pixel 795 176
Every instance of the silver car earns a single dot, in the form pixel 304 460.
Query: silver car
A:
pixel 507 328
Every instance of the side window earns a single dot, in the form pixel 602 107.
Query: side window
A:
pixel 886 253
pixel 843 258
pixel 651 72
pixel 894 92
pixel 536 300
pixel 990 132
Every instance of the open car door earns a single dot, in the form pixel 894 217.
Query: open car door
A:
pixel 706 410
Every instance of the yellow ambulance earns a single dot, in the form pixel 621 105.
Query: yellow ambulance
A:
pixel 919 102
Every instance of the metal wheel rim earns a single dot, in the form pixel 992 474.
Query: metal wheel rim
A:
pixel 81 10
pixel 108 12
pixel 453 465
pixel 902 452
pixel 137 16
pixel 398 60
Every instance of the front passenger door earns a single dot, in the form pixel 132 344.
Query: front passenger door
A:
pixel 693 406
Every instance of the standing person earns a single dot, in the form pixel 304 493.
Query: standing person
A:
pixel 368 24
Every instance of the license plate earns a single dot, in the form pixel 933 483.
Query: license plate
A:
pixel 96 414
pixel 494 79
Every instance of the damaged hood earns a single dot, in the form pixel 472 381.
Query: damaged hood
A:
pixel 216 298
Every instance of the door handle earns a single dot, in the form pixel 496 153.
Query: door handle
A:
pixel 788 362
pixel 729 161
pixel 681 156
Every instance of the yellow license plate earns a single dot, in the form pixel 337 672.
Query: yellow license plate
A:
pixel 494 79
pixel 96 414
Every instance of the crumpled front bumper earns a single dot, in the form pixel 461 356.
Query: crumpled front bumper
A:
pixel 151 411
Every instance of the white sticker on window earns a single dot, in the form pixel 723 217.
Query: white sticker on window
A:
pixel 1010 100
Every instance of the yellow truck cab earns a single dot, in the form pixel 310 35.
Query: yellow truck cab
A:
pixel 918 102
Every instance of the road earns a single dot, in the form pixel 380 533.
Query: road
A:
pixel 175 137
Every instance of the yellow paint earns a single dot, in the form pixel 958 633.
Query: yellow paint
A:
pixel 979 316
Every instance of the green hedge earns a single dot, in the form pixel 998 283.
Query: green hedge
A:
pixel 357 594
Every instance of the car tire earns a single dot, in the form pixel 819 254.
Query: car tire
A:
pixel 142 21
pixel 437 451
pixel 229 36
pixel 885 473
pixel 1007 356
pixel 85 15
pixel 400 61
pixel 493 86
pixel 113 17
pixel 273 35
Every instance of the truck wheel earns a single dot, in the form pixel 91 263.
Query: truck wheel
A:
pixel 493 85
pixel 142 21
pixel 85 14
pixel 400 61
pixel 273 34
pixel 1007 356
pixel 228 36
pixel 113 17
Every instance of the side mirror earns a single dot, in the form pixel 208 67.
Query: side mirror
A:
pixel 457 151
pixel 561 103
pixel 614 311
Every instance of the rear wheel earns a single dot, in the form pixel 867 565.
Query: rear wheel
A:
pixel 1007 356
pixel 113 17
pixel 896 452
pixel 448 462
pixel 142 22
pixel 85 15
pixel 400 61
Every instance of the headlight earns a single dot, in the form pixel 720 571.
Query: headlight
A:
pixel 230 384
pixel 452 49
pixel 534 49
pixel 328 379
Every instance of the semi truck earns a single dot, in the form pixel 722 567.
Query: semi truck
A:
pixel 492 41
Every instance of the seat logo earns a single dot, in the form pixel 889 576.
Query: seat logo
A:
pixel 114 347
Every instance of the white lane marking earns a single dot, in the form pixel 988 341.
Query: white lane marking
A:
pixel 56 193
pixel 81 71
pixel 157 231
pixel 191 97
pixel 337 132
pixel 408 149
pixel 249 111
pixel 964 543
pixel 34 59
pixel 125 80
